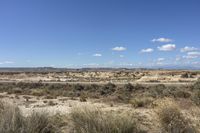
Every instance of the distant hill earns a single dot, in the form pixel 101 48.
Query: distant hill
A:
pixel 51 69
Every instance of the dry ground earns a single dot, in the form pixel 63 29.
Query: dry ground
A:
pixel 149 104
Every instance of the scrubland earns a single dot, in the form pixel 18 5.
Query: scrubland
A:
pixel 27 107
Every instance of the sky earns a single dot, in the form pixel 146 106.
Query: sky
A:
pixel 99 33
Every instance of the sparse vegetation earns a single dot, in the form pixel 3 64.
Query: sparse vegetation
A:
pixel 141 99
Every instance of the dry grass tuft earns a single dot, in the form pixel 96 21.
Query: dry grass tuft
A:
pixel 93 120
pixel 172 120
pixel 12 121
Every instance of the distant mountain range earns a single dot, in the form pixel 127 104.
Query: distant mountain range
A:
pixel 51 69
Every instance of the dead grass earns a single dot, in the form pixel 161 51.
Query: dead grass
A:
pixel 172 120
pixel 93 120
pixel 12 121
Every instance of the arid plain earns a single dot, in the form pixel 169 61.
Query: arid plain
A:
pixel 145 101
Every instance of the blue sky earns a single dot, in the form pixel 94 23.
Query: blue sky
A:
pixel 99 33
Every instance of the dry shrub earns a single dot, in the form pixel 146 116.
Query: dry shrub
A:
pixel 83 97
pixel 141 102
pixel 93 120
pixel 185 75
pixel 37 92
pixel 129 87
pixel 51 103
pixel 157 90
pixel 182 94
pixel 172 120
pixel 108 89
pixel 196 98
pixel 196 85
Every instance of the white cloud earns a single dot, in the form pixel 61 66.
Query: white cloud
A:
pixel 148 50
pixel 163 40
pixel 7 62
pixel 167 47
pixel 120 48
pixel 97 55
pixel 160 59
pixel 187 49
pixel 193 53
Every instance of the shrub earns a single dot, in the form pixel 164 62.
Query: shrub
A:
pixel 196 85
pixel 173 121
pixel 128 87
pixel 78 87
pixel 108 89
pixel 51 103
pixel 93 120
pixel 83 97
pixel 138 87
pixel 17 91
pixel 37 92
pixel 196 98
pixel 157 91
pixel 182 94
pixel 185 75
pixel 92 87
pixel 141 102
